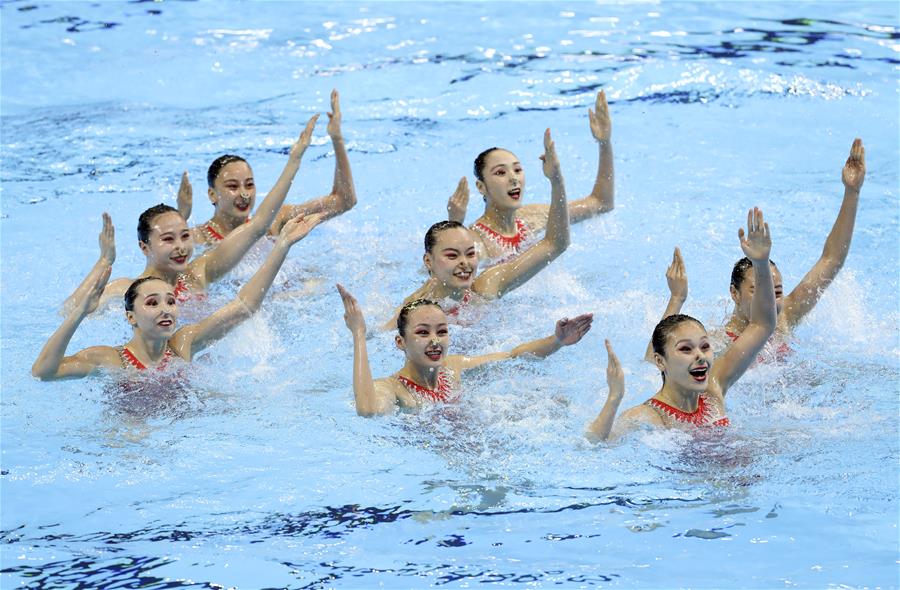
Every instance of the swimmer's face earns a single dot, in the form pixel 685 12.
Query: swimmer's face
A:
pixel 453 260
pixel 688 357
pixel 504 180
pixel 744 296
pixel 234 191
pixel 426 339
pixel 155 311
pixel 169 245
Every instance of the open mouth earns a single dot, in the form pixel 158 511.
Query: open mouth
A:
pixel 515 194
pixel 166 323
pixel 242 205
pixel 699 374
pixel 434 354
pixel 463 275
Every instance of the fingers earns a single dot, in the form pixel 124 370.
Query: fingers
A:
pixel 463 185
pixel 306 134
pixel 335 102
pixel 612 360
pixel 548 141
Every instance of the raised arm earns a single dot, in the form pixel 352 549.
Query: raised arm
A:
pixel 342 197
pixel 567 332
pixel 807 293
pixel 600 428
pixel 676 277
pixel 371 400
pixel 185 196
pixel 602 196
pixel 102 266
pixel 219 260
pixel 195 337
pixel 459 201
pixel 51 363
pixel 500 279
pixel 756 244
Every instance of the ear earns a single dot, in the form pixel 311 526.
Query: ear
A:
pixel 213 197
pixel 144 248
pixel 129 315
pixel 398 340
pixel 479 184
pixel 735 296
pixel 427 260
pixel 659 361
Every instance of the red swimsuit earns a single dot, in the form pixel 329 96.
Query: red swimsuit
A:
pixel 702 416
pixel 441 394
pixel 129 360
pixel 211 232
pixel 781 351
pixel 510 245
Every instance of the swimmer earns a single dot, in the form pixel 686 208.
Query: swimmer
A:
pixel 232 190
pixel 694 387
pixel 151 308
pixel 794 307
pixel 508 227
pixel 164 238
pixel 431 375
pixel 451 256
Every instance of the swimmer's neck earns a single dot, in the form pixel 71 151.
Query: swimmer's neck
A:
pixel 440 291
pixel 737 323
pixel 683 399
pixel 502 221
pixel 145 348
pixel 226 223
pixel 170 276
pixel 420 375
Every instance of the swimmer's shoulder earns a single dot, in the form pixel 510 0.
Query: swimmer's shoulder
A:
pixel 102 357
pixel 117 287
pixel 640 415
pixel 535 216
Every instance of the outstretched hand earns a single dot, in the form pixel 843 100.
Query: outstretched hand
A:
pixel 299 147
pixel 353 316
pixel 185 200
pixel 334 117
pixel 551 162
pixel 676 276
pixel 615 377
pixel 299 227
pixel 854 172
pixel 570 331
pixel 459 201
pixel 108 240
pixel 757 242
pixel 601 124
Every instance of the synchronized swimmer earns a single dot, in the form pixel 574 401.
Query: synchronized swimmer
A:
pixel 507 236
pixel 232 190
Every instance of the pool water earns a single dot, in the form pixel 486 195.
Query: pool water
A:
pixel 258 474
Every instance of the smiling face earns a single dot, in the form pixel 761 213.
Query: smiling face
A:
pixel 425 339
pixel 234 192
pixel 453 260
pixel 504 180
pixel 687 357
pixel 169 244
pixel 155 312
pixel 743 295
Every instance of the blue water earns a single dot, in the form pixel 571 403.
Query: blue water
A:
pixel 261 475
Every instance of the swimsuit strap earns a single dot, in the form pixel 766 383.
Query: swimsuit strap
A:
pixel 441 394
pixel 731 335
pixel 513 243
pixel 699 417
